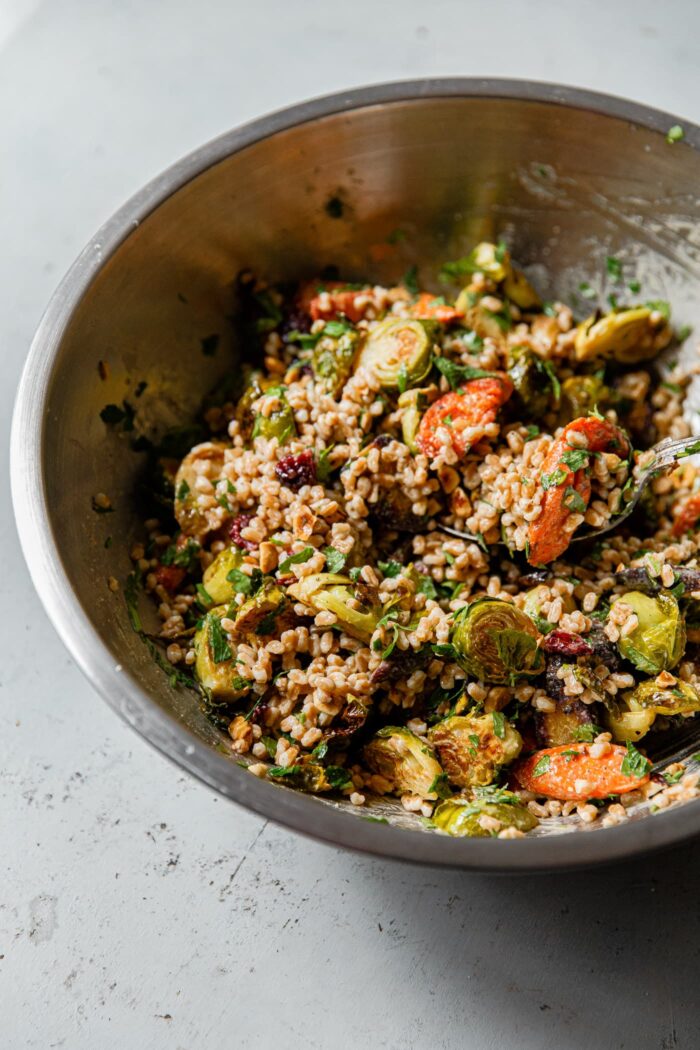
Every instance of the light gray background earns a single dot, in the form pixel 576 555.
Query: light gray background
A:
pixel 137 910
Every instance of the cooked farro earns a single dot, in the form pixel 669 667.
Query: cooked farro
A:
pixel 350 646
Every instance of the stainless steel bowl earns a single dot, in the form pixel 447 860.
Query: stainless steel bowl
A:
pixel 568 176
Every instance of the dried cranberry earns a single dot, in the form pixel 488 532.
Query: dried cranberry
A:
pixel 566 644
pixel 237 525
pixel 295 471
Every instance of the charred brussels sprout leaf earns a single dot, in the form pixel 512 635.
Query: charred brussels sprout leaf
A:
pixel 472 748
pixel 215 665
pixel 404 760
pixel 532 379
pixel 519 290
pixel 398 352
pixel 333 357
pixel 490 259
pixel 658 642
pixel 216 577
pixel 626 335
pixel 190 517
pixel 335 593
pixel 462 817
pixel 496 642
pixel 261 614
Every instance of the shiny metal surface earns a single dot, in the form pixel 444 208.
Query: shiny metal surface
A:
pixel 567 176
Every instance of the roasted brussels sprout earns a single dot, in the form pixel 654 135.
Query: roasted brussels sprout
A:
pixel 256 385
pixel 627 335
pixel 472 748
pixel 332 360
pixel 312 777
pixel 280 422
pixel 519 290
pixel 490 259
pixel 580 395
pixel 412 404
pixel 496 642
pixel 629 725
pixel 215 660
pixel 190 517
pixel 261 613
pixel 658 642
pixel 677 699
pixel 395 511
pixel 566 724
pixel 533 390
pixel 462 817
pixel 409 764
pixel 326 590
pixel 215 579
pixel 398 352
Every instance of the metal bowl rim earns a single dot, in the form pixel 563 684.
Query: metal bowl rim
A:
pixel 115 684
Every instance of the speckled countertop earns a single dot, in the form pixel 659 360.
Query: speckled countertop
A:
pixel 137 910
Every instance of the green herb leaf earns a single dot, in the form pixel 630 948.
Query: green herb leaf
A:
pixel 691 450
pixel 323 467
pixel 338 777
pixel 614 267
pixel 297 559
pixel 335 561
pixel 587 733
pixel 575 458
pixel 445 652
pixel 586 291
pixel 675 134
pixel 542 766
pixel 574 500
pixel 634 764
pixel 550 481
pixel 218 640
pixel 440 786
pixel 390 569
pixel 634 286
pixel 532 431
pixel 425 585
pixel 337 328
pixel 673 778
pixel 243 584
pixel 204 598
pixel 661 306
pixel 499 724
pixel 283 771
pixel 456 375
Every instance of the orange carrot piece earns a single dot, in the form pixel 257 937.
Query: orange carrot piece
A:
pixel 688 517
pixel 335 300
pixel 427 307
pixel 570 771
pixel 547 536
pixel 460 414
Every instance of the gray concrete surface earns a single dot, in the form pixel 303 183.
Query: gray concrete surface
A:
pixel 137 910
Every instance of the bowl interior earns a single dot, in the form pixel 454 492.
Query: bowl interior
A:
pixel 564 185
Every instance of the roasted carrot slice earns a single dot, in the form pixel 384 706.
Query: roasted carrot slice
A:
pixel 429 308
pixel 462 416
pixel 570 771
pixel 567 489
pixel 335 300
pixel 688 517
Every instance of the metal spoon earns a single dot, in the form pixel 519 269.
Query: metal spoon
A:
pixel 666 454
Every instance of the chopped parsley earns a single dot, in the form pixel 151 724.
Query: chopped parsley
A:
pixel 575 458
pixel 541 766
pixel 456 374
pixel 499 724
pixel 335 560
pixel 283 771
pixel 550 481
pixel 218 641
pixel 243 584
pixel 614 267
pixel 531 432
pixel 337 328
pixel 297 559
pixel 204 599
pixel 586 291
pixel 574 501
pixel 390 569
pixel 634 764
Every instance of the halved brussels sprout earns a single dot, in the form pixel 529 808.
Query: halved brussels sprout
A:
pixel 410 765
pixel 563 725
pixel 280 422
pixel 461 817
pixel 310 776
pixel 256 385
pixel 533 388
pixel 581 394
pixel 332 360
pixel 628 335
pixel 490 259
pixel 496 641
pixel 658 642
pixel 626 725
pixel 215 659
pixel 261 613
pixel 398 351
pixel 412 404
pixel 678 699
pixel 215 582
pixel 190 517
pixel 327 590
pixel 519 290
pixel 472 748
